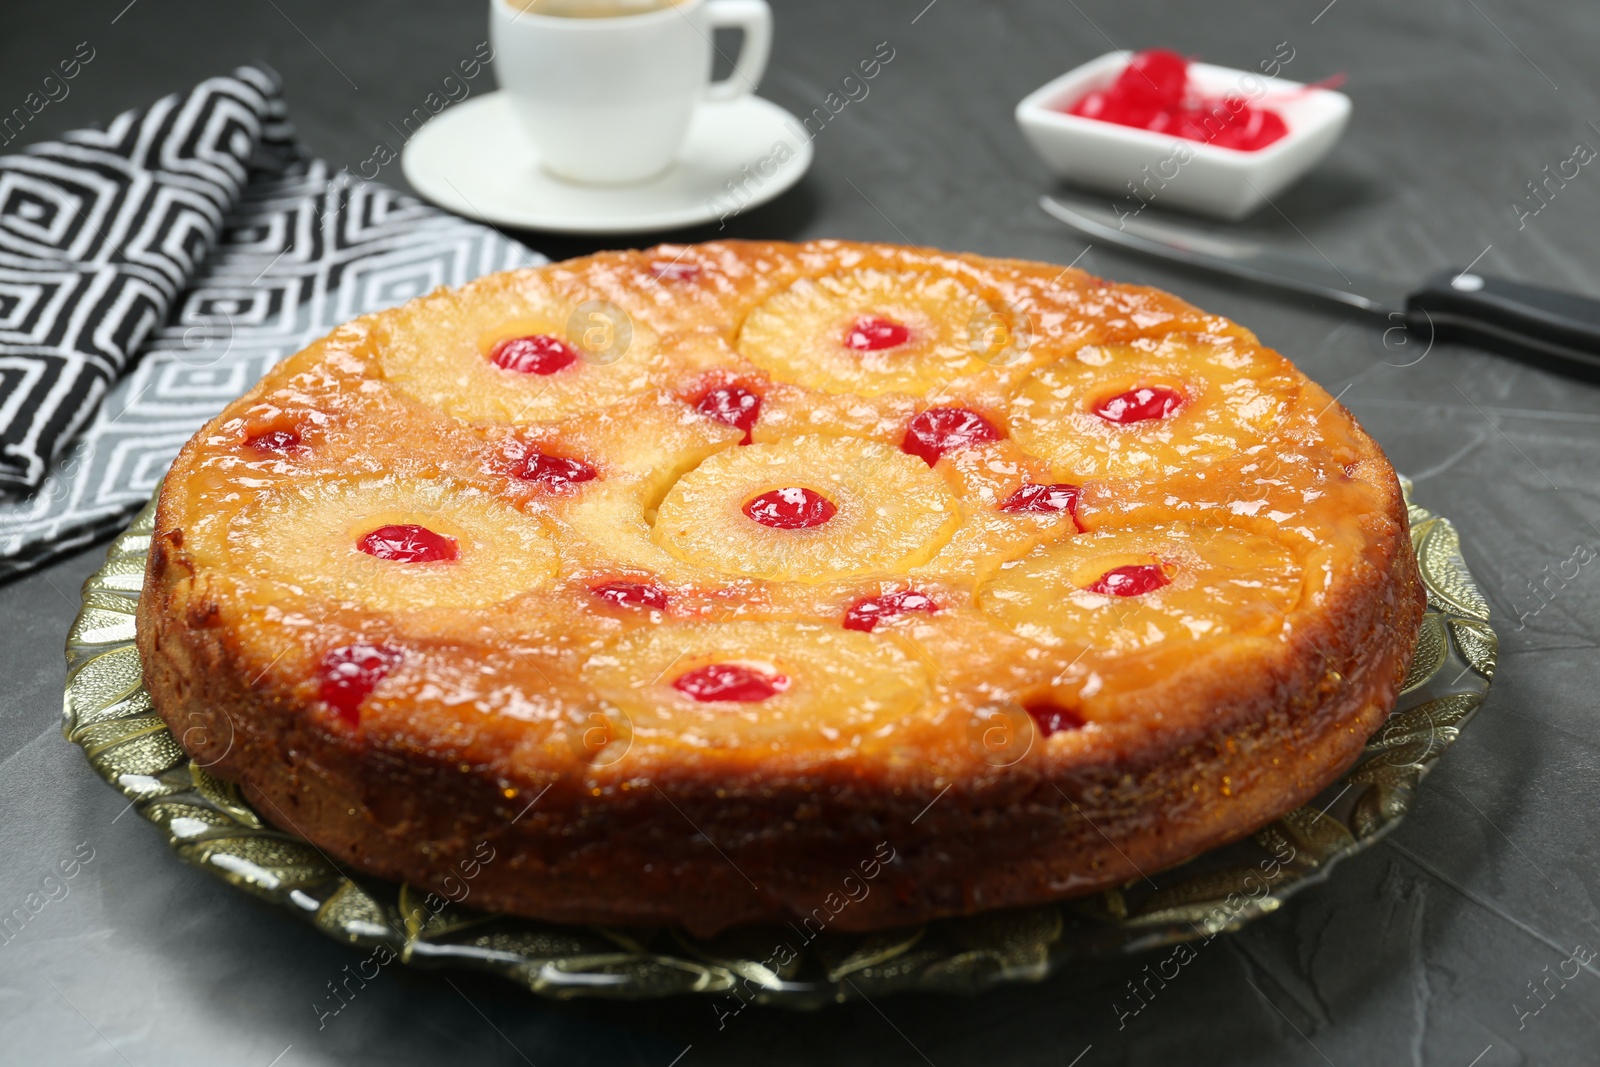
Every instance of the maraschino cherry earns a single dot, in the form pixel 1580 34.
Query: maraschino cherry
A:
pixel 539 353
pixel 932 433
pixel 409 543
pixel 1135 579
pixel 1140 405
pixel 873 334
pixel 730 681
pixel 1032 498
pixel 1154 93
pixel 866 613
pixel 793 508
pixel 732 404
pixel 553 472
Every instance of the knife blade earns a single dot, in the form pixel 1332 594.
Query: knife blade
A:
pixel 1555 330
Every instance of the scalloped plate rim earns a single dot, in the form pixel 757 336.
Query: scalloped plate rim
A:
pixel 1046 957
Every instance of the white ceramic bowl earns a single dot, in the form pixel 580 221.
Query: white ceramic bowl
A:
pixel 1130 162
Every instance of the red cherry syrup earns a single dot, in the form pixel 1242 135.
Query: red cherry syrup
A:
pixel 349 673
pixel 632 594
pixel 279 442
pixel 1052 718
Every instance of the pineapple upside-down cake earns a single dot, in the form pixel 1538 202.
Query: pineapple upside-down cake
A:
pixel 705 583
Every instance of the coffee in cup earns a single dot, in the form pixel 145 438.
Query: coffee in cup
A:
pixel 605 89
pixel 592 9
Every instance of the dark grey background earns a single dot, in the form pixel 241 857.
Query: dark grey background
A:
pixel 1420 951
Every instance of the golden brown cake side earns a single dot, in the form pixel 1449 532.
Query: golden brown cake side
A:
pixel 501 723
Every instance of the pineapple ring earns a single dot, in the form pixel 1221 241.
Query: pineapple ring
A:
pixel 799 334
pixel 440 349
pixel 305 538
pixel 1212 582
pixel 837 685
pixel 1232 394
pixel 891 511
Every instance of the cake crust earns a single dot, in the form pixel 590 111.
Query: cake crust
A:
pixel 926 782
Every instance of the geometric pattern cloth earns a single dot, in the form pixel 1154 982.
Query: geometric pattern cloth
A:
pixel 153 271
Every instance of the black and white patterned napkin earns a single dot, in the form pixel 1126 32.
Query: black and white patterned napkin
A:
pixel 150 272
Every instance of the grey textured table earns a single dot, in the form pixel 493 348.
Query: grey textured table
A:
pixel 1420 951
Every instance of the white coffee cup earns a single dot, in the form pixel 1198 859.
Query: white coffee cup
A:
pixel 608 100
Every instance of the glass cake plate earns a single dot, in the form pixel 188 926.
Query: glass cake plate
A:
pixel 108 713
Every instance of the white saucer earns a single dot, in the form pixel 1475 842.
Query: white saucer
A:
pixel 474 160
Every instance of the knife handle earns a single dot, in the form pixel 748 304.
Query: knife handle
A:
pixel 1546 327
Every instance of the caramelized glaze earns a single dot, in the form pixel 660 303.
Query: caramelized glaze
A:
pixel 1021 488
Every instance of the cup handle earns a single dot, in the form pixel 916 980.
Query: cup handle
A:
pixel 754 17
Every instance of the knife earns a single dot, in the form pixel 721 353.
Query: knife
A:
pixel 1545 327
